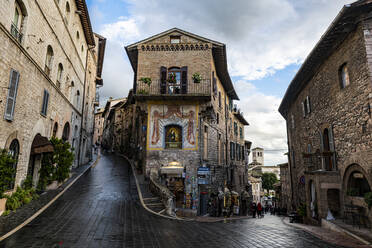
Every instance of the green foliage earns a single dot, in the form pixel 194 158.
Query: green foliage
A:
pixel 302 210
pixel 6 213
pixel 172 78
pixel 146 80
pixel 56 165
pixel 27 183
pixel 142 92
pixel 197 77
pixel 20 198
pixel 268 181
pixel 368 199
pixel 6 171
pixel 352 192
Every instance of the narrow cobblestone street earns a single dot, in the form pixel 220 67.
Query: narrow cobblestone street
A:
pixel 102 210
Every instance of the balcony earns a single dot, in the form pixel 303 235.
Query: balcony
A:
pixel 16 33
pixel 167 90
pixel 319 162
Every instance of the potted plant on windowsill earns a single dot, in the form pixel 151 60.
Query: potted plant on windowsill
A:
pixel 196 77
pixel 146 80
pixel 172 78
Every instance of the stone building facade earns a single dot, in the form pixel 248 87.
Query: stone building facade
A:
pixel 285 196
pixel 183 115
pixel 46 49
pixel 327 108
pixel 98 126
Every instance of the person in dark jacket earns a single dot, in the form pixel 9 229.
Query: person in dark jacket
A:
pixel 254 209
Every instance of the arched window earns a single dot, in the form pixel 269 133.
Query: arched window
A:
pixel 14 152
pixel 66 132
pixel 59 75
pixel 82 48
pixel 173 137
pixel 67 17
pixel 49 60
pixel 357 184
pixel 18 20
pixel 344 76
pixel 55 129
pixel 77 98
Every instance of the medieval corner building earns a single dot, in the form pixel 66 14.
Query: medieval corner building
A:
pixel 187 132
pixel 327 108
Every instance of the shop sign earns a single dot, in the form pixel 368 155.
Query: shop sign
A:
pixel 203 175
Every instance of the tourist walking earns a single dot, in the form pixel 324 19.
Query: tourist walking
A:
pixel 254 209
pixel 259 210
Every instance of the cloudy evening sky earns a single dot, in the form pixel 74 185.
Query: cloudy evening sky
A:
pixel 267 40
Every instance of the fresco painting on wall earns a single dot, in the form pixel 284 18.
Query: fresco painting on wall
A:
pixel 180 122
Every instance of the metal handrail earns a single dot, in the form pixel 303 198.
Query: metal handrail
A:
pixel 157 87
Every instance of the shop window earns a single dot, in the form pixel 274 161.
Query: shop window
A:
pixel 357 185
pixel 344 76
pixel 173 137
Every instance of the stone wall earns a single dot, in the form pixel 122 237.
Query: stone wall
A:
pixel 345 111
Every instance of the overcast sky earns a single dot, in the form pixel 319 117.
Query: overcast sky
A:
pixel 267 40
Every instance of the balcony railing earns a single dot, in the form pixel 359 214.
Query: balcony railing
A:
pixel 319 161
pixel 16 33
pixel 156 88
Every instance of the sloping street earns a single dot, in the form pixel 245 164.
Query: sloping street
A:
pixel 102 210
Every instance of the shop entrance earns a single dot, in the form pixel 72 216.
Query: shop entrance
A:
pixel 203 203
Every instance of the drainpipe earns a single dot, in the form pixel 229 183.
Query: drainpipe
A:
pixel 82 109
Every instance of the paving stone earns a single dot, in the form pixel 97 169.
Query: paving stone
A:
pixel 102 209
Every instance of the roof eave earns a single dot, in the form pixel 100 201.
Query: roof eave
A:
pixel 85 21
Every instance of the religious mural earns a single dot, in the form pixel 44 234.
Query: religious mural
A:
pixel 173 126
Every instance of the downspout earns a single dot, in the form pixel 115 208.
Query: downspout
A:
pixel 227 142
pixel 82 109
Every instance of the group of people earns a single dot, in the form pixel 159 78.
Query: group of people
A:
pixel 256 209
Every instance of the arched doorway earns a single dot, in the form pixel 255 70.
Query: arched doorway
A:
pixel 40 145
pixel 66 132
pixel 14 152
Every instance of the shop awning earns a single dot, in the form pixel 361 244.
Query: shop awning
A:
pixel 172 170
pixel 41 145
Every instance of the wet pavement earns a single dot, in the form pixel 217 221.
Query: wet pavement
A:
pixel 102 210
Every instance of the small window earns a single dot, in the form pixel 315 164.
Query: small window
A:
pixel 49 60
pixel 59 75
pixel 66 132
pixel 82 48
pixel 218 118
pixel 55 129
pixel 306 106
pixel 235 129
pixel 175 39
pixel 219 99
pixel 44 107
pixel 77 35
pixel 67 12
pixel 241 132
pixel 344 76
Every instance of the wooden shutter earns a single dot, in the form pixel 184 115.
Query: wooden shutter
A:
pixel 163 80
pixel 214 85
pixel 303 109
pixel 184 80
pixel 12 94
pixel 308 104
pixel 322 148
pixel 44 107
pixel 332 147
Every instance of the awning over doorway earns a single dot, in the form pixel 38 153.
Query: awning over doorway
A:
pixel 41 145
pixel 173 168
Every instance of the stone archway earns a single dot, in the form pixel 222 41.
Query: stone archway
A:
pixel 355 181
